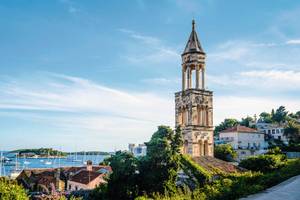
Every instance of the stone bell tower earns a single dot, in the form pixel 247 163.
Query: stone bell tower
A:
pixel 194 104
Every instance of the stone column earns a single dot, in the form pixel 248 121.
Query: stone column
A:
pixel 206 148
pixel 203 116
pixel 197 77
pixel 207 117
pixel 188 78
pixel 191 78
pixel 183 78
pixel 203 77
pixel 201 148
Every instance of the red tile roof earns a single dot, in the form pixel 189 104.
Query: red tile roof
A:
pixel 211 164
pixel 240 129
pixel 85 176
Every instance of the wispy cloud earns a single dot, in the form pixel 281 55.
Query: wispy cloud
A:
pixel 295 41
pixel 149 49
pixel 80 104
pixel 248 54
pixel 109 117
pixel 230 106
pixel 162 81
pixel 268 81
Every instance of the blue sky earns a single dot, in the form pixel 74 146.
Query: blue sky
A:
pixel 96 75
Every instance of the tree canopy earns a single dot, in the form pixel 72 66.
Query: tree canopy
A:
pixel 154 173
pixel 225 152
pixel 227 123
pixel 11 190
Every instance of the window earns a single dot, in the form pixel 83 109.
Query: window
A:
pixel 277 130
pixel 273 131
pixel 269 131
pixel 70 187
pixel 279 137
pixel 76 187
pixel 281 130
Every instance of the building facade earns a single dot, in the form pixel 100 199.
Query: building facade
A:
pixel 272 130
pixel 194 104
pixel 244 140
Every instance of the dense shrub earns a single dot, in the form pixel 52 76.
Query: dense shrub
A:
pixel 234 186
pixel 263 163
pixel 197 173
pixel 225 152
pixel 10 190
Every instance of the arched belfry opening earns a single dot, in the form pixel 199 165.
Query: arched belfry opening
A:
pixel 194 103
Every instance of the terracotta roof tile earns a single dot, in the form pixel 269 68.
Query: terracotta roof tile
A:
pixel 211 163
pixel 240 129
pixel 85 176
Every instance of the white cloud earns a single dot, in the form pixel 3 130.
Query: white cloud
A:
pixel 162 81
pixel 241 106
pixel 262 80
pixel 81 105
pixel 97 115
pixel 152 49
pixel 295 42
pixel 248 54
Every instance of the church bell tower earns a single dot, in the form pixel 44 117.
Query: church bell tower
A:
pixel 194 104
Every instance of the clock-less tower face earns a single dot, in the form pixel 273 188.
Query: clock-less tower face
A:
pixel 194 104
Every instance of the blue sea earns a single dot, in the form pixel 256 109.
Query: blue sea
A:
pixel 31 163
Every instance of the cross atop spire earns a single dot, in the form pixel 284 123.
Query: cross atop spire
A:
pixel 193 45
pixel 193 25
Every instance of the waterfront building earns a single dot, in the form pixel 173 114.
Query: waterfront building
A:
pixel 244 140
pixel 194 103
pixel 272 131
pixel 86 179
pixel 137 150
pixel 53 180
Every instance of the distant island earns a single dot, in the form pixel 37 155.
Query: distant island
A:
pixel 39 153
pixel 52 153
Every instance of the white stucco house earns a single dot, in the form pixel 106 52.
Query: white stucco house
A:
pixel 272 130
pixel 246 141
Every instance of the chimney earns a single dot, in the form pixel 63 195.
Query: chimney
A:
pixel 89 165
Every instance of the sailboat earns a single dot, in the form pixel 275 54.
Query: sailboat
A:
pixel 16 172
pixel 25 162
pixel 76 158
pixel 48 162
pixel 2 169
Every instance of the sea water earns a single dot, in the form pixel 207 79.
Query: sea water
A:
pixel 33 163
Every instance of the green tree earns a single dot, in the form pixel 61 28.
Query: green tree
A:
pixel 246 121
pixel 292 131
pixel 227 123
pixel 122 183
pixel 225 152
pixel 280 115
pixel 294 115
pixel 265 117
pixel 11 190
pixel 159 168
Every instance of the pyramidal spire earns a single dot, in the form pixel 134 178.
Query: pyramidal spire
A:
pixel 193 45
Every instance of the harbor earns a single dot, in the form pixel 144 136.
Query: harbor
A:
pixel 12 165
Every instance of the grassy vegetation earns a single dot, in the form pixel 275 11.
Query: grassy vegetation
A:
pixel 234 186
